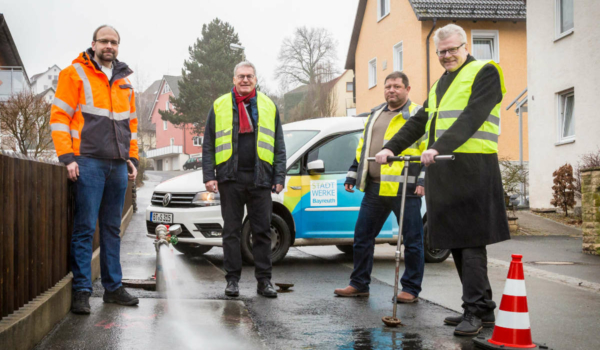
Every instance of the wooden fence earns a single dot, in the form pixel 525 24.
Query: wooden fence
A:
pixel 36 216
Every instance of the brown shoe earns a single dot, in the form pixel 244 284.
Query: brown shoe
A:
pixel 350 292
pixel 406 298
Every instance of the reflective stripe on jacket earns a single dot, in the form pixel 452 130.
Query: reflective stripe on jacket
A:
pixel 93 116
pixel 265 147
pixel 452 104
pixel 391 177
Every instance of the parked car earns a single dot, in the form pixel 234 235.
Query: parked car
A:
pixel 313 208
pixel 193 163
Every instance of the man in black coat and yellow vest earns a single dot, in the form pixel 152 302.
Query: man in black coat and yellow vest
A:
pixel 464 197
pixel 243 158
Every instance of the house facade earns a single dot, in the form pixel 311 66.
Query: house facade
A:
pixel 174 145
pixel 562 58
pixel 397 35
pixel 13 77
pixel 144 104
pixel 43 81
pixel 343 91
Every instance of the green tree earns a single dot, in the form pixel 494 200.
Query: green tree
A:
pixel 207 75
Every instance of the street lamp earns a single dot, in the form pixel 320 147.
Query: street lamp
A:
pixel 236 47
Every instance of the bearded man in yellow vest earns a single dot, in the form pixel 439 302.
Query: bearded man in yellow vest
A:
pixel 382 185
pixel 465 199
pixel 243 160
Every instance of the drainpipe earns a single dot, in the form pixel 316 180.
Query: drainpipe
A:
pixel 354 88
pixel 427 45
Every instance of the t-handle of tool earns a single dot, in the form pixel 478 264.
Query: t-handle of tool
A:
pixel 411 158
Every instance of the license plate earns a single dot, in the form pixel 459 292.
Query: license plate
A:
pixel 164 218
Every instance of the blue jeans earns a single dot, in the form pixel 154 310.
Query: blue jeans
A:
pixel 374 211
pixel 99 194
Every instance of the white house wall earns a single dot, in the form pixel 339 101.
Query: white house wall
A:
pixel 555 66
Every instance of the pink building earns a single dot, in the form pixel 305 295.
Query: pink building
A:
pixel 174 145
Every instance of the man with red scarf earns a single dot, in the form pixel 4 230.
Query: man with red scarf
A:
pixel 243 161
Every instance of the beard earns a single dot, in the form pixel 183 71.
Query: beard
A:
pixel 107 56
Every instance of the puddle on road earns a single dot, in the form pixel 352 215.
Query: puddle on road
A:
pixel 382 338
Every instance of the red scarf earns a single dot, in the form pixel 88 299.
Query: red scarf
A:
pixel 244 118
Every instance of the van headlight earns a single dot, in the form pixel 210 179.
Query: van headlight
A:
pixel 206 199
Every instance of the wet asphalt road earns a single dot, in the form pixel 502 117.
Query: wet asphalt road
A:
pixel 308 317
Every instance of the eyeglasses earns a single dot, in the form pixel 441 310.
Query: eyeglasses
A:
pixel 242 77
pixel 451 51
pixel 106 41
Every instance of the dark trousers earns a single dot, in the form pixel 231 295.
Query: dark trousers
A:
pixel 374 211
pixel 234 196
pixel 471 264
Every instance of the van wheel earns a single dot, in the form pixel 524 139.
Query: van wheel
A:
pixel 191 249
pixel 433 255
pixel 346 249
pixel 280 240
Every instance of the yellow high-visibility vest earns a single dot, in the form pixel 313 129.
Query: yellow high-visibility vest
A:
pixel 391 177
pixel 454 101
pixel 267 112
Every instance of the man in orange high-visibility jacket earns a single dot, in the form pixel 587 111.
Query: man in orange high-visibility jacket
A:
pixel 94 129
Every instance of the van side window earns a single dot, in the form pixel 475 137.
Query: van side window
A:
pixel 295 169
pixel 337 154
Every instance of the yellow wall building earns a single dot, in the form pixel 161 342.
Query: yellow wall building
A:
pixel 391 35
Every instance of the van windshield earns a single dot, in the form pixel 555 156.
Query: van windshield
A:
pixel 295 139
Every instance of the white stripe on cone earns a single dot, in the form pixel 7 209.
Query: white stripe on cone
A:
pixel 515 288
pixel 513 320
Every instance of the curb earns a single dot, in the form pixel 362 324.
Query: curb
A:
pixel 27 326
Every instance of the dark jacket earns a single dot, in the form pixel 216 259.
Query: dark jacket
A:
pixel 465 199
pixel 265 174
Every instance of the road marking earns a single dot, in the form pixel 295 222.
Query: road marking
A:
pixel 216 267
pixel 550 276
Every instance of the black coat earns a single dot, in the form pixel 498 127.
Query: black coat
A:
pixel 265 174
pixel 465 198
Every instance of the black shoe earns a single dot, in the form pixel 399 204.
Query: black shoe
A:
pixel 232 289
pixel 265 288
pixel 469 326
pixel 120 296
pixel 81 303
pixel 488 320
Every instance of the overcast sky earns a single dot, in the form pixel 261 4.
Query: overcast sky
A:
pixel 155 35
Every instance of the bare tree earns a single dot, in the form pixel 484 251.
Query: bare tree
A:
pixel 586 161
pixel 307 58
pixel 25 118
pixel 326 98
pixel 275 96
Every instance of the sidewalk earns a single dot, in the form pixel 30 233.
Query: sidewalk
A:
pixel 532 224
pixel 186 323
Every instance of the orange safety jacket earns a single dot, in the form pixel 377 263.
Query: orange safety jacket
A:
pixel 92 116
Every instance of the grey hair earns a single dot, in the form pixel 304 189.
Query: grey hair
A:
pixel 447 31
pixel 244 64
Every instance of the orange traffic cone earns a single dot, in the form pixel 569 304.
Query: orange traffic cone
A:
pixel 512 330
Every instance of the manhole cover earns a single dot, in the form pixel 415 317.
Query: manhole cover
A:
pixel 147 284
pixel 553 262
